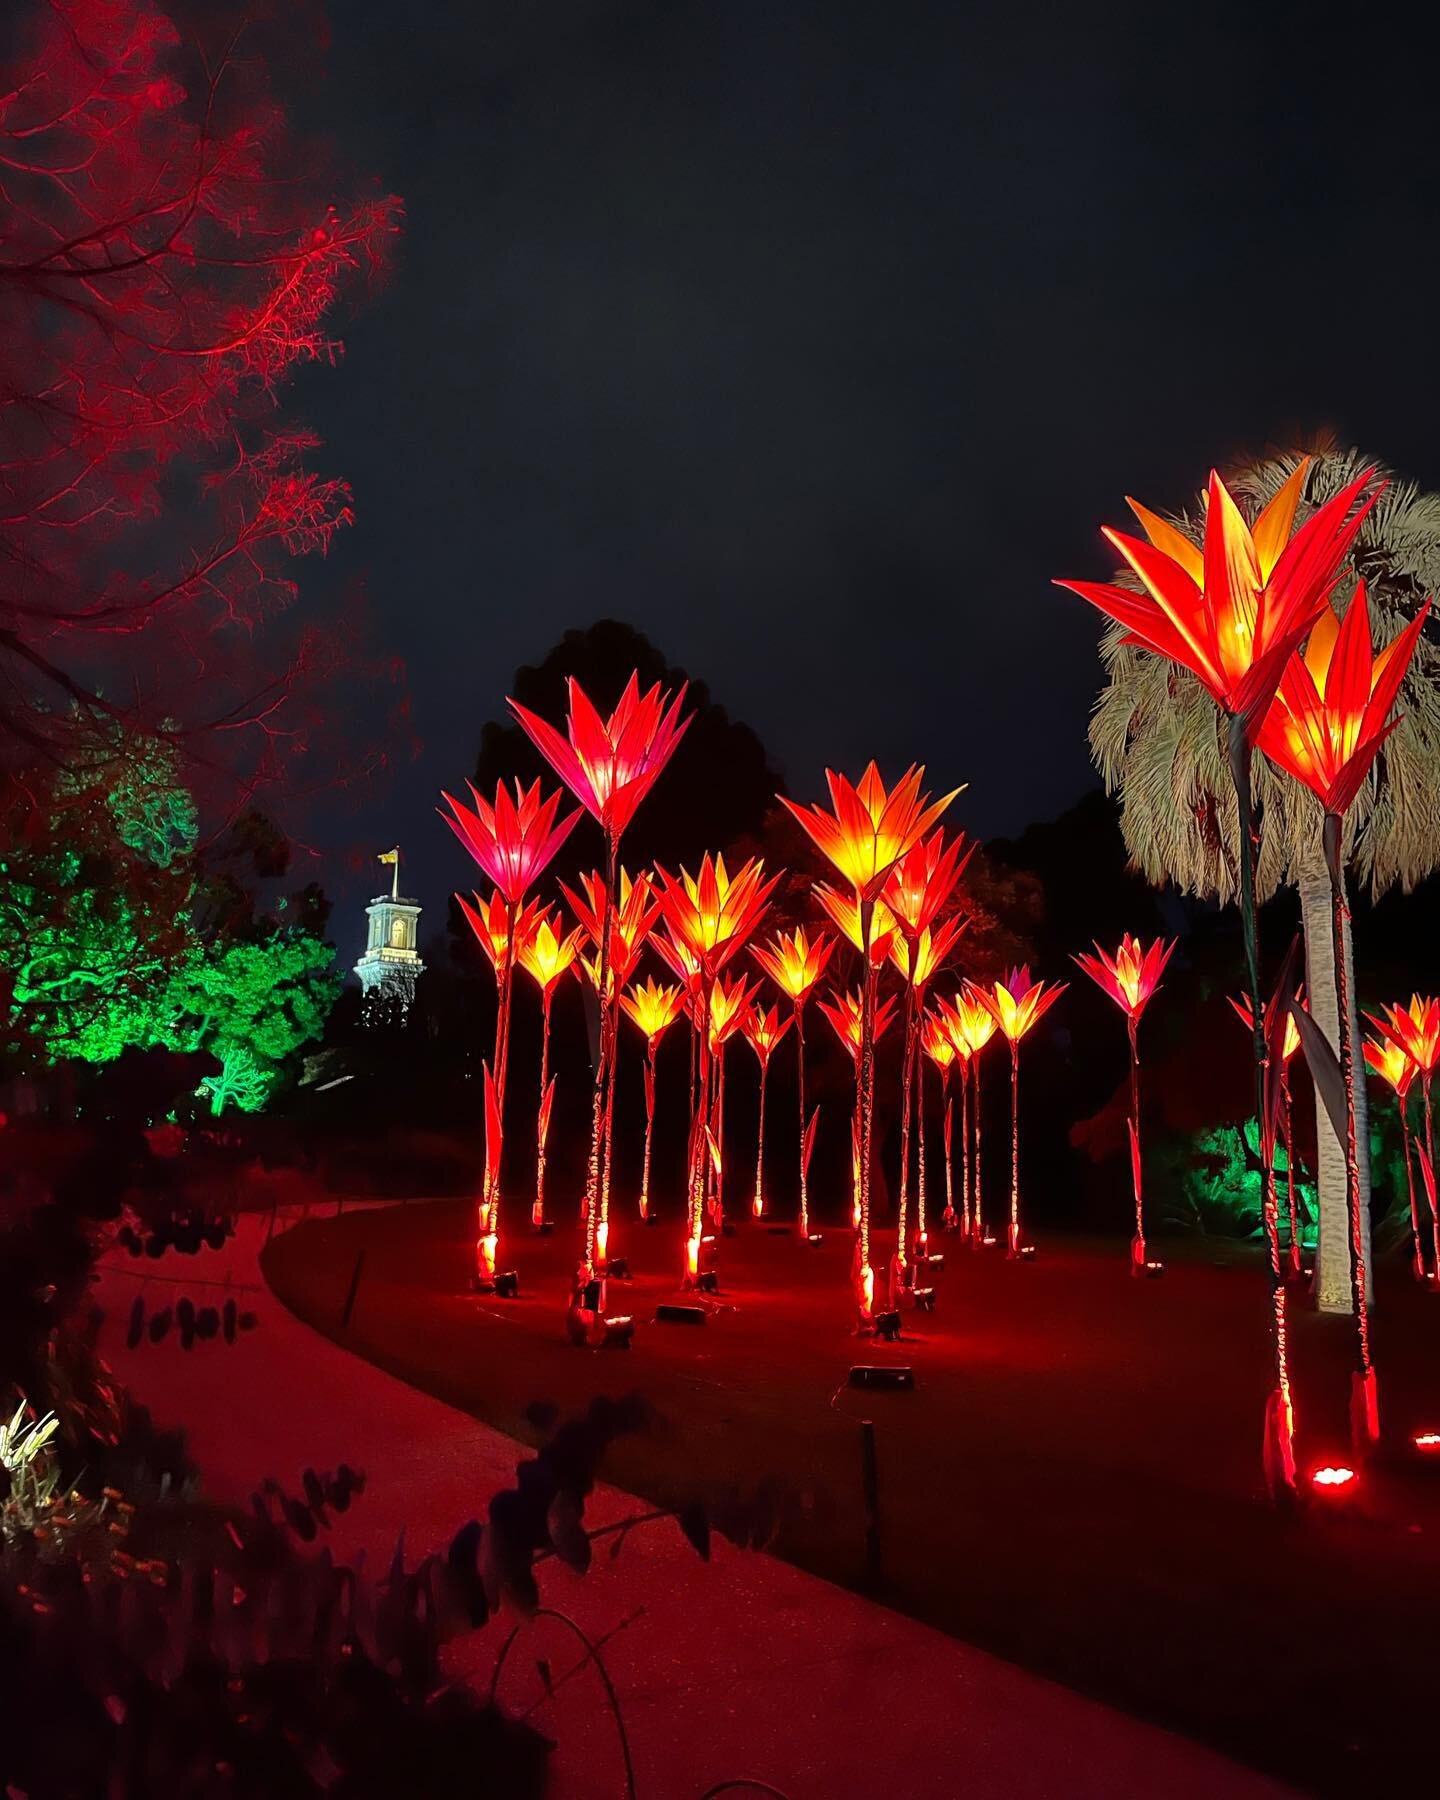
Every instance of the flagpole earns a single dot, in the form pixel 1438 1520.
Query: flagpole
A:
pixel 395 877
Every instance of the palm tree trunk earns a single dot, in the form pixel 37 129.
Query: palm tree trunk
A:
pixel 1332 1256
pixel 1364 1403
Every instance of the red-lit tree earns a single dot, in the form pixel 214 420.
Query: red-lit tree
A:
pixel 168 255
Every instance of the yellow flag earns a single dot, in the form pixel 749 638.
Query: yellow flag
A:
pixel 388 856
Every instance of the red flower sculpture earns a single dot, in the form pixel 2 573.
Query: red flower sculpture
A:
pixel 513 840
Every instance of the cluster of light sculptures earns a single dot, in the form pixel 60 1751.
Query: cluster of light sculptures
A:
pixel 896 903
pixel 1248 613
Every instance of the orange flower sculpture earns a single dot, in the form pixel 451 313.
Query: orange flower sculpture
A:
pixel 1232 612
pixel 1290 1043
pixel 514 840
pixel 869 831
pixel 629 911
pixel 501 929
pixel 709 918
pixel 1017 1005
pixel 970 1026
pixel 763 1028
pixel 546 956
pixel 632 915
pixel 1130 977
pixel 845 913
pixel 795 962
pixel 1415 1029
pixel 918 952
pixel 1331 713
pixel 845 1011
pixel 654 1009
pixel 609 765
pixel 846 1014
pixel 936 1047
pixel 1398 1069
pixel 1326 726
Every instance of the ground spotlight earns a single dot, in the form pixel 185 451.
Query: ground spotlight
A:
pixel 887 1326
pixel 619 1268
pixel 669 1314
pixel 507 1286
pixel 618 1332
pixel 815 1237
pixel 707 1282
pixel 936 1260
pixel 1334 1478
pixel 1427 1443
pixel 1027 1253
pixel 925 1300
pixel 1154 1270
pixel 871 1375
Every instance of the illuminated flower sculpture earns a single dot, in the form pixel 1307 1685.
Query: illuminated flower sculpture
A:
pixel 869 831
pixel 1290 1043
pixel 545 956
pixel 708 919
pixel 1325 727
pixel 846 1012
pixel 609 765
pixel 1130 977
pixel 631 920
pixel 1397 1068
pixel 500 929
pixel 1231 613
pixel 1416 1030
pixel 513 841
pixel 763 1028
pixel 916 892
pixel 654 1009
pixel 936 1044
pixel 1016 1004
pixel 971 1026
pixel 730 1003
pixel 795 962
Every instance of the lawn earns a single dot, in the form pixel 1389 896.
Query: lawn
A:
pixel 1073 1483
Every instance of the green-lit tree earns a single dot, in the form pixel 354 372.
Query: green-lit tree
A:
pixel 251 1006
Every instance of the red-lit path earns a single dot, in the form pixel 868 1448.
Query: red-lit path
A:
pixel 740 1667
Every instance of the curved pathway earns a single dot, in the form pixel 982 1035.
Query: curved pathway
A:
pixel 740 1667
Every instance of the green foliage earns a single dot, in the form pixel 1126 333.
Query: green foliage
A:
pixel 251 1005
pixel 1213 1180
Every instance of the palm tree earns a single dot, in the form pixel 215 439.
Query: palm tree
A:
pixel 1159 744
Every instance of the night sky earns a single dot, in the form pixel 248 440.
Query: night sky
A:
pixel 815 339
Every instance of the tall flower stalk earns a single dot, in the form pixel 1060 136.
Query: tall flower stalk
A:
pixel 1017 1004
pixel 1231 612
pixel 1416 1030
pixel 937 1048
pixel 763 1029
pixel 971 1026
pixel 1289 1044
pixel 708 917
pixel 1330 716
pixel 609 765
pixel 499 924
pixel 1130 977
pixel 868 832
pixel 653 1008
pixel 546 956
pixel 513 841
pixel 795 962
pixel 1395 1067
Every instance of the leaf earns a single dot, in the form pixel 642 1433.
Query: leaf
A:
pixel 1324 1069
pixel 809 1146
pixel 564 1523
pixel 137 1323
